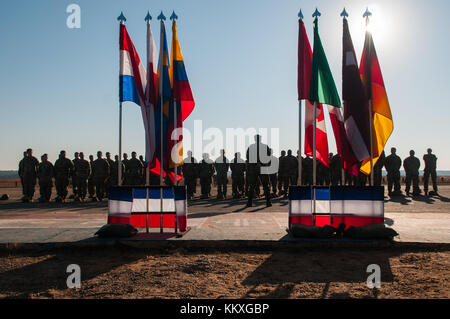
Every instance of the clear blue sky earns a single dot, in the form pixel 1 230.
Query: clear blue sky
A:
pixel 59 86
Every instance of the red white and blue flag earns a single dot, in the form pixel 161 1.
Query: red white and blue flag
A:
pixel 132 77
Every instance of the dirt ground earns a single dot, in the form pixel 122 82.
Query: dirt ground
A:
pixel 124 272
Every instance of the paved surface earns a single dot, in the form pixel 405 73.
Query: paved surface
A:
pixel 416 220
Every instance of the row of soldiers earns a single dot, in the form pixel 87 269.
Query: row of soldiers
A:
pixel 286 173
pixel 93 176
pixel 96 176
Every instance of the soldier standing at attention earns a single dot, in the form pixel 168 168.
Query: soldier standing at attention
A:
pixel 206 171
pixel 125 164
pixel 108 183
pixel 222 165
pixel 46 172
pixel 377 170
pixel 430 170
pixel 100 172
pixel 307 168
pixel 114 166
pixel 392 163
pixel 292 168
pixel 82 174
pixel 30 166
pixel 91 185
pixel 63 171
pixel 134 170
pixel 76 156
pixel 335 169
pixel 411 165
pixel 190 174
pixel 144 165
pixel 280 172
pixel 237 167
pixel 258 157
pixel 273 176
pixel 20 172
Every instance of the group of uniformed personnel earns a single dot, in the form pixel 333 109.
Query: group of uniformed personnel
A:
pixel 260 168
pixel 93 177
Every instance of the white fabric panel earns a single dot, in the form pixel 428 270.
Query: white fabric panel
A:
pixel 168 205
pixel 154 205
pixel 139 205
pixel 356 140
pixel 180 206
pixel 300 207
pixel 119 207
pixel 364 208
pixel 125 66
pixel 323 206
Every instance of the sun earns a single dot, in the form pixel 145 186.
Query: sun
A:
pixel 378 23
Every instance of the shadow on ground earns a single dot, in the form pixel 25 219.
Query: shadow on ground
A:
pixel 337 266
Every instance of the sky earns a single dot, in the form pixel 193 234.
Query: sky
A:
pixel 59 86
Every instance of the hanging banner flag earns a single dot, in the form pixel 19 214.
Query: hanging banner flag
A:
pixel 381 117
pixel 303 86
pixel 182 98
pixel 151 99
pixel 164 104
pixel 321 133
pixel 132 78
pixel 356 105
pixel 322 87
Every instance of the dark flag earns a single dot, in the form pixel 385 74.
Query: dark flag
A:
pixel 356 104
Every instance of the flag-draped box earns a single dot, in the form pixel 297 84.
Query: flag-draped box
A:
pixel 353 206
pixel 131 205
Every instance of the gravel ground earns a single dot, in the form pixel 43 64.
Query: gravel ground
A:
pixel 124 272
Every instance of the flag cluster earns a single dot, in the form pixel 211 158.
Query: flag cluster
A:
pixel 164 94
pixel 351 121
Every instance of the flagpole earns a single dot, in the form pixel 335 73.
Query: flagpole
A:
pixel 148 17
pixel 314 163
pixel 161 67
pixel 174 17
pixel 299 179
pixel 366 15
pixel 121 18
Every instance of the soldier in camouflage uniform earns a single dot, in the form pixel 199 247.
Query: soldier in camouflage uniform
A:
pixel 134 171
pixel 258 165
pixel 100 173
pixel 91 185
pixel 237 167
pixel 335 169
pixel 222 165
pixel 20 172
pixel 392 163
pixel 46 172
pixel 206 171
pixel 273 178
pixel 377 170
pixel 411 165
pixel 109 182
pixel 125 160
pixel 292 168
pixel 74 180
pixel 29 166
pixel 190 174
pixel 114 168
pixel 63 171
pixel 430 170
pixel 307 171
pixel 283 177
pixel 82 172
